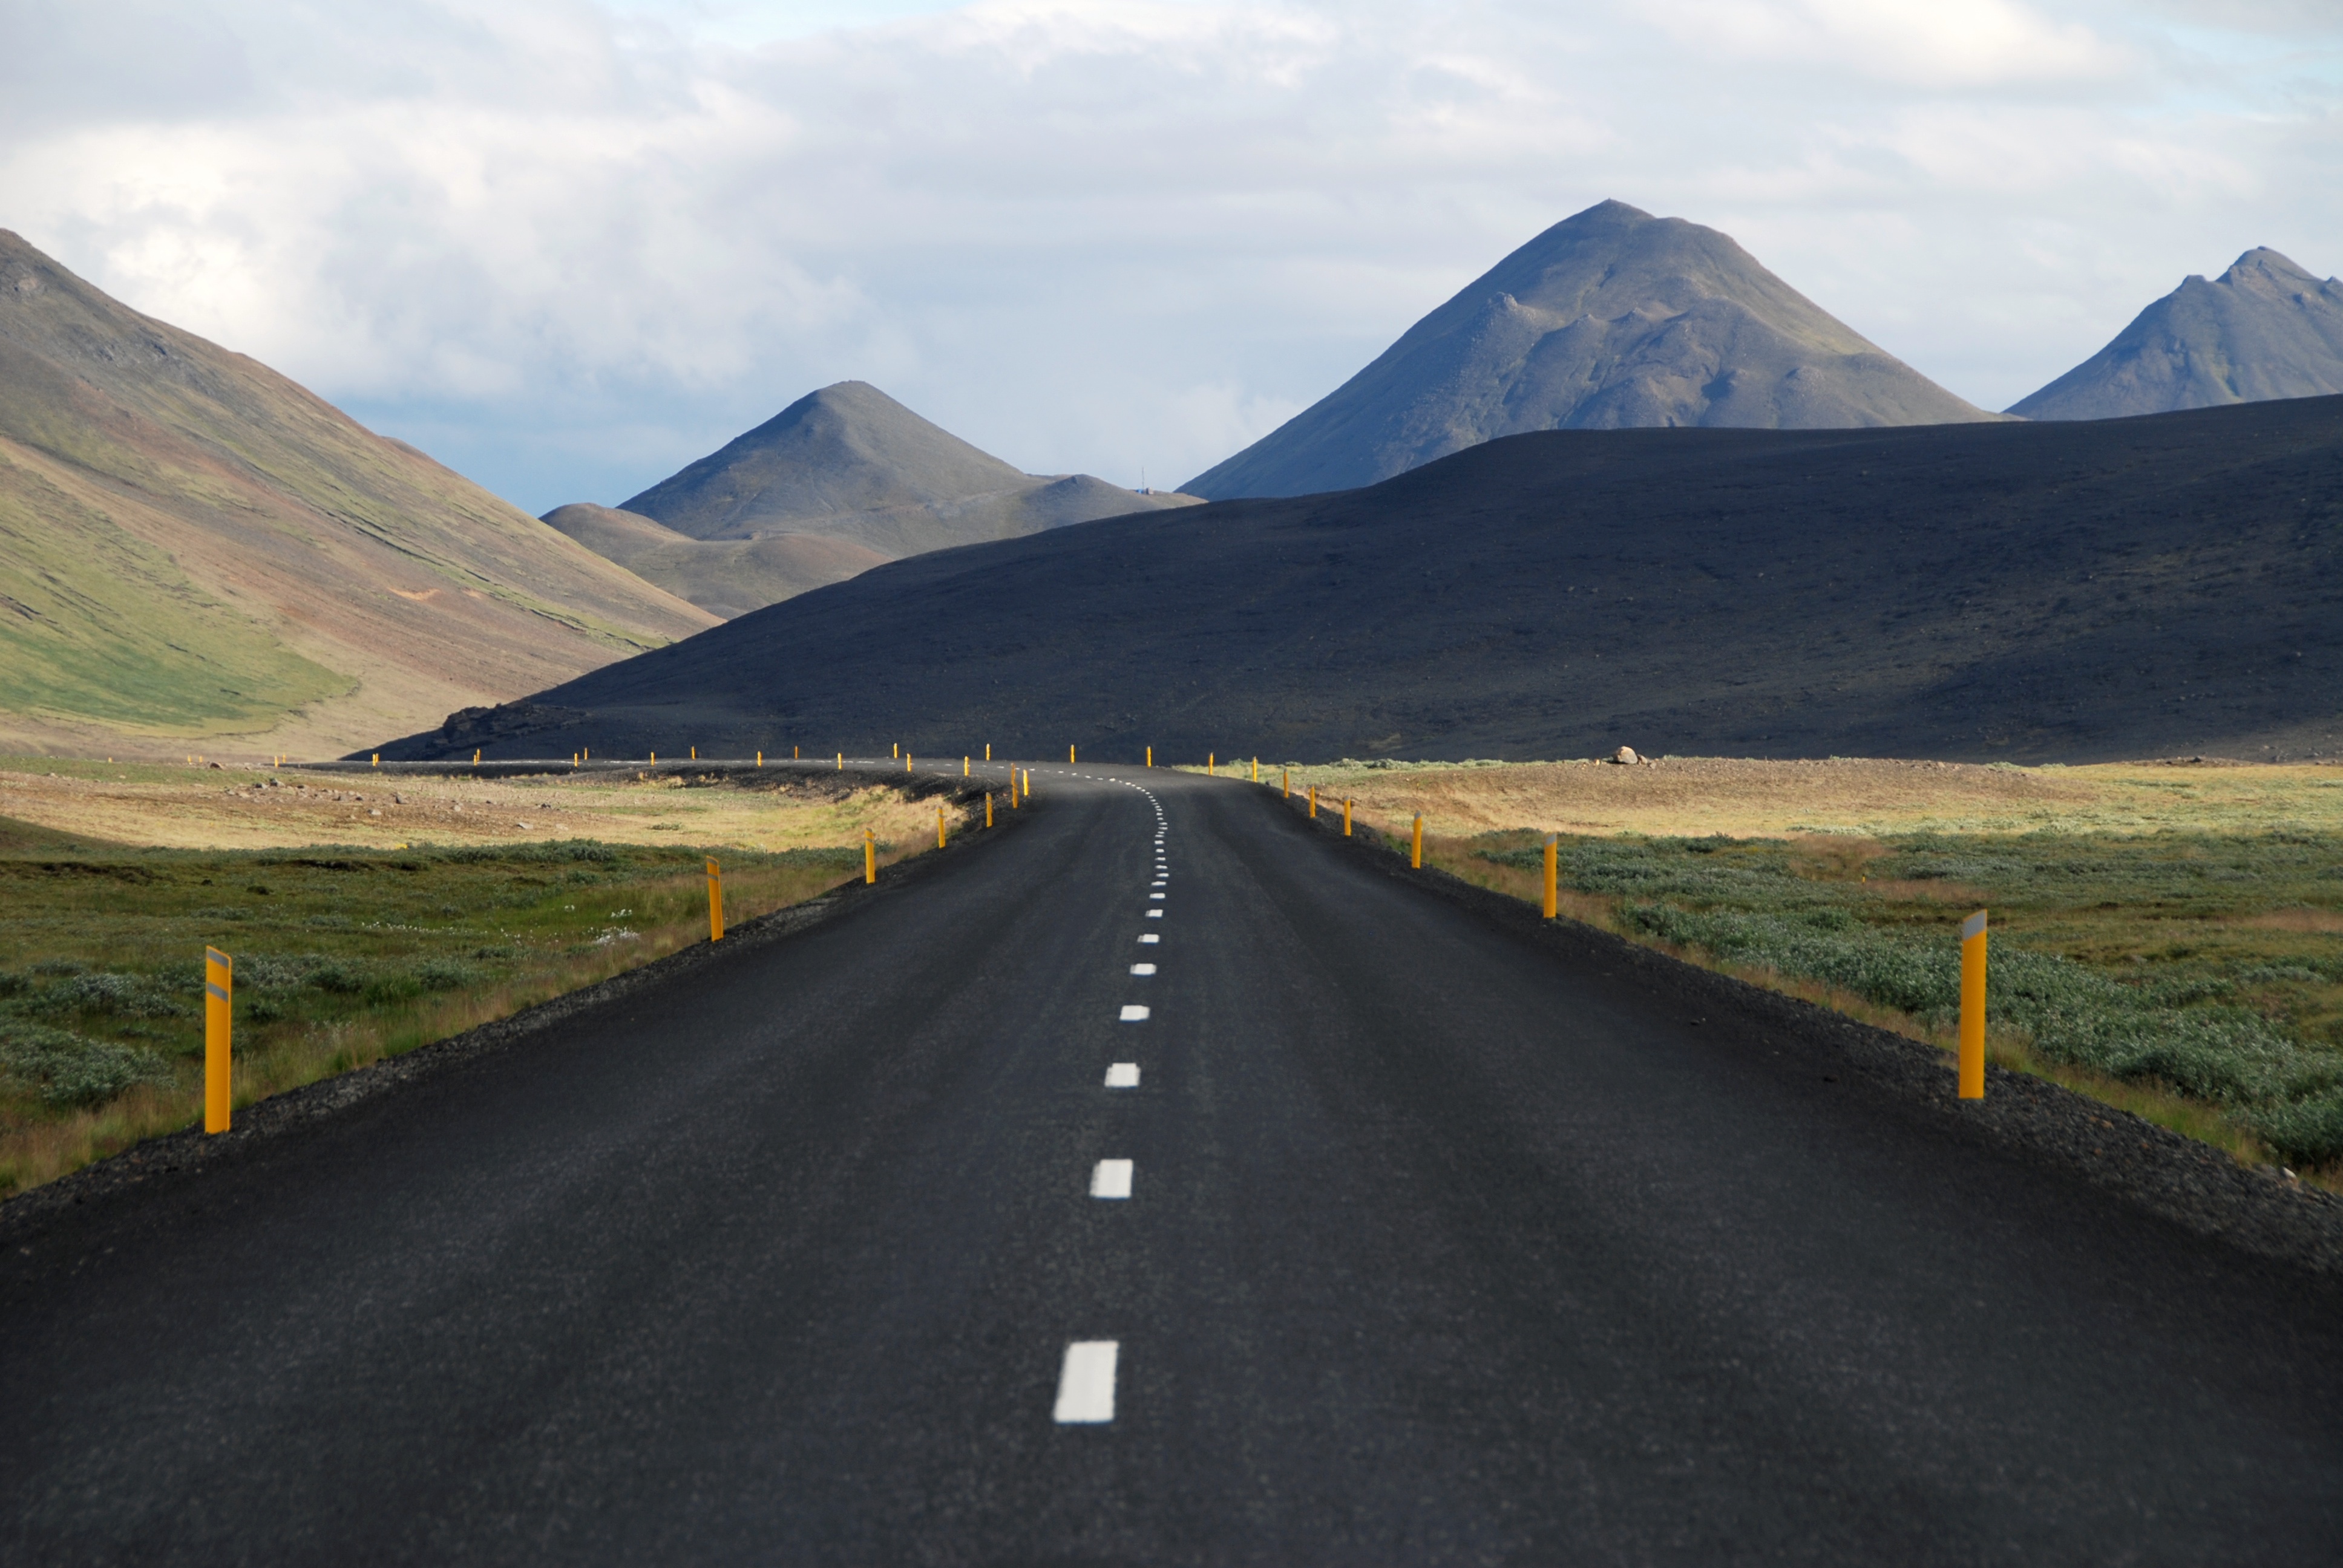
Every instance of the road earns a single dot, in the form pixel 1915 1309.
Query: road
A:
pixel 1436 1249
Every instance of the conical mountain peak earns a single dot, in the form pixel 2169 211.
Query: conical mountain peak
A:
pixel 846 448
pixel 2268 327
pixel 1611 317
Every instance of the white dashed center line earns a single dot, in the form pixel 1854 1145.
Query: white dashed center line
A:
pixel 1150 939
pixel 1155 914
pixel 1111 1179
pixel 1086 1382
pixel 1157 897
pixel 1134 1013
pixel 1143 969
pixel 1122 1075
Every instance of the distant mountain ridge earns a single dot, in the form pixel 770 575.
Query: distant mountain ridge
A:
pixel 1612 318
pixel 2263 330
pixel 194 549
pixel 841 479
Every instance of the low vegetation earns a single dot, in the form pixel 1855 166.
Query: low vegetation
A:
pixel 2167 938
pixel 346 954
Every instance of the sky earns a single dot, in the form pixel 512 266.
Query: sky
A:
pixel 567 247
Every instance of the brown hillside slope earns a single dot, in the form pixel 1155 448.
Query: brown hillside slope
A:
pixel 724 576
pixel 194 550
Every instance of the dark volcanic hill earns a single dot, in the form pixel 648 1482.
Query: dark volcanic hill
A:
pixel 1610 319
pixel 2051 591
pixel 839 481
pixel 2265 328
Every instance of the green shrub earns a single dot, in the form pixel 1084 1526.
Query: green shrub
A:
pixel 65 1069
pixel 123 995
pixel 445 974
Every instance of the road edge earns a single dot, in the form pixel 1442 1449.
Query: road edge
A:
pixel 2192 1184
pixel 152 1164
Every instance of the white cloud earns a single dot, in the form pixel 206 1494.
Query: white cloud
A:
pixel 568 247
pixel 1937 43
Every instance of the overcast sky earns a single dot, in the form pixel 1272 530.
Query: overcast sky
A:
pixel 568 247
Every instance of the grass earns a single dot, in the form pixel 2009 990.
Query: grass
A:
pixel 2166 939
pixel 344 954
pixel 251 807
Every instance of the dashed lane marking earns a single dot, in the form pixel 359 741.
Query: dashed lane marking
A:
pixel 1134 1013
pixel 1111 1179
pixel 1122 1075
pixel 1143 969
pixel 1086 1382
pixel 1155 914
pixel 1150 939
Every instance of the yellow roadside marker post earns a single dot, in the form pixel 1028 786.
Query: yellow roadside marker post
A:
pixel 1070 757
pixel 1553 901
pixel 653 758
pixel 842 762
pixel 988 808
pixel 219 981
pixel 476 757
pixel 715 903
pixel 907 762
pixel 988 752
pixel 1256 770
pixel 695 754
pixel 1973 1007
pixel 377 760
pixel 1314 802
pixel 870 856
pixel 1416 855
pixel 1346 818
pixel 794 754
pixel 1210 772
pixel 1151 756
pixel 1289 784
pixel 760 759
pixel 963 767
pixel 896 749
pixel 940 826
pixel 1029 783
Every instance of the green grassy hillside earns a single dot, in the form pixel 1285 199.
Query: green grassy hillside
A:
pixel 192 546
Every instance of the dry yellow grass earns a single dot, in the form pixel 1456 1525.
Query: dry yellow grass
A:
pixel 256 808
pixel 1741 798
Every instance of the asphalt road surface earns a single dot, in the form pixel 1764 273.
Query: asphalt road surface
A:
pixel 1436 1249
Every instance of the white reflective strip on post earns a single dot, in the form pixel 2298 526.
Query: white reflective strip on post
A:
pixel 1974 926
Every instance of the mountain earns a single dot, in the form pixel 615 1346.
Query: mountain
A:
pixel 194 549
pixel 2065 591
pixel 847 465
pixel 724 576
pixel 2265 328
pixel 1608 320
